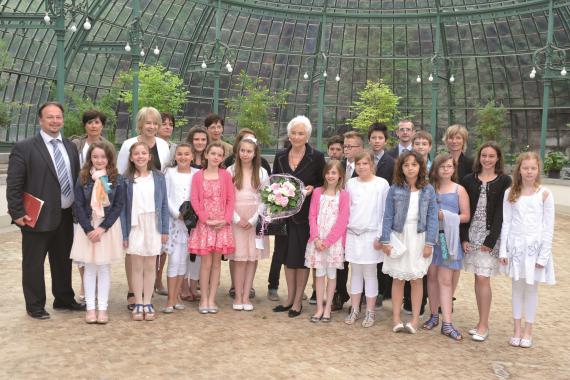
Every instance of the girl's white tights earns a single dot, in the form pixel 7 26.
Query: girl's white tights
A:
pixel 97 282
pixel 363 274
pixel 525 297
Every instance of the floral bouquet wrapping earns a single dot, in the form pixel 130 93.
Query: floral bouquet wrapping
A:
pixel 282 197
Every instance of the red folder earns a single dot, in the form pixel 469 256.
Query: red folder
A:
pixel 33 207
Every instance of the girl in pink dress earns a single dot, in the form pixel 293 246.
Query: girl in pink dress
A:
pixel 99 199
pixel 248 176
pixel 328 218
pixel 212 198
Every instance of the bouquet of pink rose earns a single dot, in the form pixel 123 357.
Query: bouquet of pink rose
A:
pixel 282 197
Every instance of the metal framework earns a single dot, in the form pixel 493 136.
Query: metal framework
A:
pixel 489 48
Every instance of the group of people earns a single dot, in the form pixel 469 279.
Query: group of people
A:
pixel 402 224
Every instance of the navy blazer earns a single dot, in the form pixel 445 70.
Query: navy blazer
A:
pixel 395 152
pixel 309 170
pixel 82 206
pixel 31 170
pixel 385 167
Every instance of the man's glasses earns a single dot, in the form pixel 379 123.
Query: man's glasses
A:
pixel 349 147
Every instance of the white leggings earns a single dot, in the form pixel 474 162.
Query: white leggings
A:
pixel 329 272
pixel 363 274
pixel 193 271
pixel 97 280
pixel 524 295
pixel 177 260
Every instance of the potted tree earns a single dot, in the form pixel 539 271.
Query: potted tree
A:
pixel 553 163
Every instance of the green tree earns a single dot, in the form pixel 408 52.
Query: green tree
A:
pixel 158 88
pixel 252 107
pixel 376 103
pixel 490 123
pixel 4 108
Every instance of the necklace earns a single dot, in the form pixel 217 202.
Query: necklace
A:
pixel 295 159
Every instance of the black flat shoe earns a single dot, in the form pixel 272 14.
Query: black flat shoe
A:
pixel 281 308
pixel 72 306
pixel 295 313
pixel 39 314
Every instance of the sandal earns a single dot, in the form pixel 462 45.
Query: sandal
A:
pixel 432 322
pixel 130 306
pixel 514 341
pixel 149 313
pixel 369 319
pixel 315 319
pixel 138 314
pixel 450 331
pixel 325 319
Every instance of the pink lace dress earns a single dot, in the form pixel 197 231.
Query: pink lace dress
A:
pixel 205 239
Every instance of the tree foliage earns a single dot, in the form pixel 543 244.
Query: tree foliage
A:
pixel 490 123
pixel 252 108
pixel 4 108
pixel 158 88
pixel 376 103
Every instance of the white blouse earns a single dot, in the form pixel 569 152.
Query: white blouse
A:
pixel 367 204
pixel 178 188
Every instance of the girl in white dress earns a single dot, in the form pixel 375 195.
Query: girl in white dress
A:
pixel 178 186
pixel 409 232
pixel 367 199
pixel 526 242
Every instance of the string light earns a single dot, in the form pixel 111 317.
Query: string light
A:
pixel 87 24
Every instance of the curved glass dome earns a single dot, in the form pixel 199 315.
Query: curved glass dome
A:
pixel 487 46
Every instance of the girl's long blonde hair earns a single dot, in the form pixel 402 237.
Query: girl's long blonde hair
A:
pixel 256 165
pixel 516 187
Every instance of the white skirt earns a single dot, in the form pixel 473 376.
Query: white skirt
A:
pixel 412 264
pixel 359 249
pixel 144 238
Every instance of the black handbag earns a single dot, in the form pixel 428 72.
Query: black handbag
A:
pixel 189 216
pixel 275 228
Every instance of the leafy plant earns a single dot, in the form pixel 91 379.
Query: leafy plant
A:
pixel 376 103
pixel 490 124
pixel 555 161
pixel 4 107
pixel 158 88
pixel 252 107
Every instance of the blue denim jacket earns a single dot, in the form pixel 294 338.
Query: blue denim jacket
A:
pixel 160 205
pixel 396 211
pixel 82 204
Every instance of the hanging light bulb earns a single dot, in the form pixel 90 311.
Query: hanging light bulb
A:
pixel 73 28
pixel 204 66
pixel 419 79
pixel 87 24
pixel 230 69
pixel 337 78
pixel 127 47
pixel 532 73
pixel 430 78
pixel 325 74
pixel 142 52
pixel 306 75
pixel 47 18
pixel 451 79
pixel 156 51
pixel 563 72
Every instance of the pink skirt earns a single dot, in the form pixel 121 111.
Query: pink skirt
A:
pixel 205 240
pixel 106 251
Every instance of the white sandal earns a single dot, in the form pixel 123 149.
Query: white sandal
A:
pixel 526 343
pixel 514 341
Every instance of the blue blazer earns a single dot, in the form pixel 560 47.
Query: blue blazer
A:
pixel 160 205
pixel 82 205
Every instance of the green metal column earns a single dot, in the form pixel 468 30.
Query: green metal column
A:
pixel 322 81
pixel 435 82
pixel 135 53
pixel 217 57
pixel 547 81
pixel 60 50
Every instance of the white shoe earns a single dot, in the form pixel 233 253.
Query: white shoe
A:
pixel 179 306
pixel 480 337
pixel 526 343
pixel 473 331
pixel 397 328
pixel 247 307
pixel 515 342
pixel 409 328
pixel 237 306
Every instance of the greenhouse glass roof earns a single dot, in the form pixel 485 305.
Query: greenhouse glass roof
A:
pixel 487 46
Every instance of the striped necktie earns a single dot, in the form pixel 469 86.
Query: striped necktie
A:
pixel 61 169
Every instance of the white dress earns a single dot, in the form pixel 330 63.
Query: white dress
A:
pixel 367 204
pixel 412 264
pixel 144 238
pixel 526 237
pixel 178 187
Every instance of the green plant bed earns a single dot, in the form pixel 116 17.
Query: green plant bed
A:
pixel 553 163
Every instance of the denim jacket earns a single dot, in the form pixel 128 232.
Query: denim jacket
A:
pixel 82 204
pixel 396 211
pixel 160 205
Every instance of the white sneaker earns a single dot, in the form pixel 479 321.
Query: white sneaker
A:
pixel 237 306
pixel 247 307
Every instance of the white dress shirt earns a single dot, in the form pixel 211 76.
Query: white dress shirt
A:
pixel 66 202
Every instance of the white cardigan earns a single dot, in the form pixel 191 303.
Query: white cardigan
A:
pixel 263 180
pixel 123 156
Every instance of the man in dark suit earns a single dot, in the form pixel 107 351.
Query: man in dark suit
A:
pixel 377 138
pixel 353 144
pixel 45 166
pixel 405 132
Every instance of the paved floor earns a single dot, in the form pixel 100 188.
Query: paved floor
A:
pixel 264 345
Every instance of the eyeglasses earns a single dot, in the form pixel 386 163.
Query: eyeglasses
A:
pixel 349 147
pixel 404 130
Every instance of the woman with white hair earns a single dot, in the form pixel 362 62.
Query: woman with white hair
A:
pixel 305 163
pixel 148 121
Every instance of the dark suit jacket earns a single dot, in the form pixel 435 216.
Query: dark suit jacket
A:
pixel 385 168
pixel 344 161
pixel 464 166
pixel 394 152
pixel 310 171
pixel 31 169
